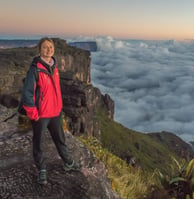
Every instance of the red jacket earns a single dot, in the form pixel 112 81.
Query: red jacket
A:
pixel 48 100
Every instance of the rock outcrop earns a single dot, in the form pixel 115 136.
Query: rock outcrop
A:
pixel 15 62
pixel 80 104
pixel 18 174
pixel 85 45
pixel 15 43
pixel 174 143
pixel 80 99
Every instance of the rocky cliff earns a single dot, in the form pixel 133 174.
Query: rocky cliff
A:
pixel 86 45
pixel 18 174
pixel 14 43
pixel 80 99
pixel 81 102
pixel 14 63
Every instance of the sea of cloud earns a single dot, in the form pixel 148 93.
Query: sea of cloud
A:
pixel 151 83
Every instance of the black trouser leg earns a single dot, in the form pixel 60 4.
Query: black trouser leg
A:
pixel 39 128
pixel 57 134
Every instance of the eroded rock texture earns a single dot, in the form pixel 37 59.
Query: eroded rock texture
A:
pixel 18 174
pixel 80 99
pixel 81 102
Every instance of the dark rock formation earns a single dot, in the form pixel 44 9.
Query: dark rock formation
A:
pixel 73 60
pixel 8 101
pixel 80 99
pixel 174 144
pixel 15 62
pixel 18 174
pixel 14 43
pixel 81 102
pixel 85 45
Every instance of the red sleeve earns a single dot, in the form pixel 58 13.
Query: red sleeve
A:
pixel 32 112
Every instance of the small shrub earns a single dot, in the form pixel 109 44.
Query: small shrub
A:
pixel 128 182
pixel 179 183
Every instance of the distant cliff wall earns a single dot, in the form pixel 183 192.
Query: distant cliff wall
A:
pixel 18 175
pixel 85 45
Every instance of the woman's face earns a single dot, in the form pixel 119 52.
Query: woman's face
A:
pixel 47 49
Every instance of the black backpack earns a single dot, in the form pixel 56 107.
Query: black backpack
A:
pixel 20 109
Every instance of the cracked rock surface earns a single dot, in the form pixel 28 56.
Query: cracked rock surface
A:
pixel 18 174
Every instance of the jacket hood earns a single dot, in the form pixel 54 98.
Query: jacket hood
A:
pixel 47 66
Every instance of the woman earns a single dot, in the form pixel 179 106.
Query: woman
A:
pixel 42 102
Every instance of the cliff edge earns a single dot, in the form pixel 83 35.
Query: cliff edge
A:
pixel 18 174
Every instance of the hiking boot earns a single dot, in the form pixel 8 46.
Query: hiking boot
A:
pixel 72 167
pixel 42 179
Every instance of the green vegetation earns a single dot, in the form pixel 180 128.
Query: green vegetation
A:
pixel 135 183
pixel 126 144
pixel 154 173
pixel 180 181
pixel 128 182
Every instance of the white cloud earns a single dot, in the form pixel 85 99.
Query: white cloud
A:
pixel 151 82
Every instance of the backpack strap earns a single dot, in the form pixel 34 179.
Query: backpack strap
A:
pixel 42 70
pixel 34 64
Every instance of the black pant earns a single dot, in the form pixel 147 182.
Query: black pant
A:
pixel 54 126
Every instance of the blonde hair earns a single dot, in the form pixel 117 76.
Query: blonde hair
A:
pixel 43 40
